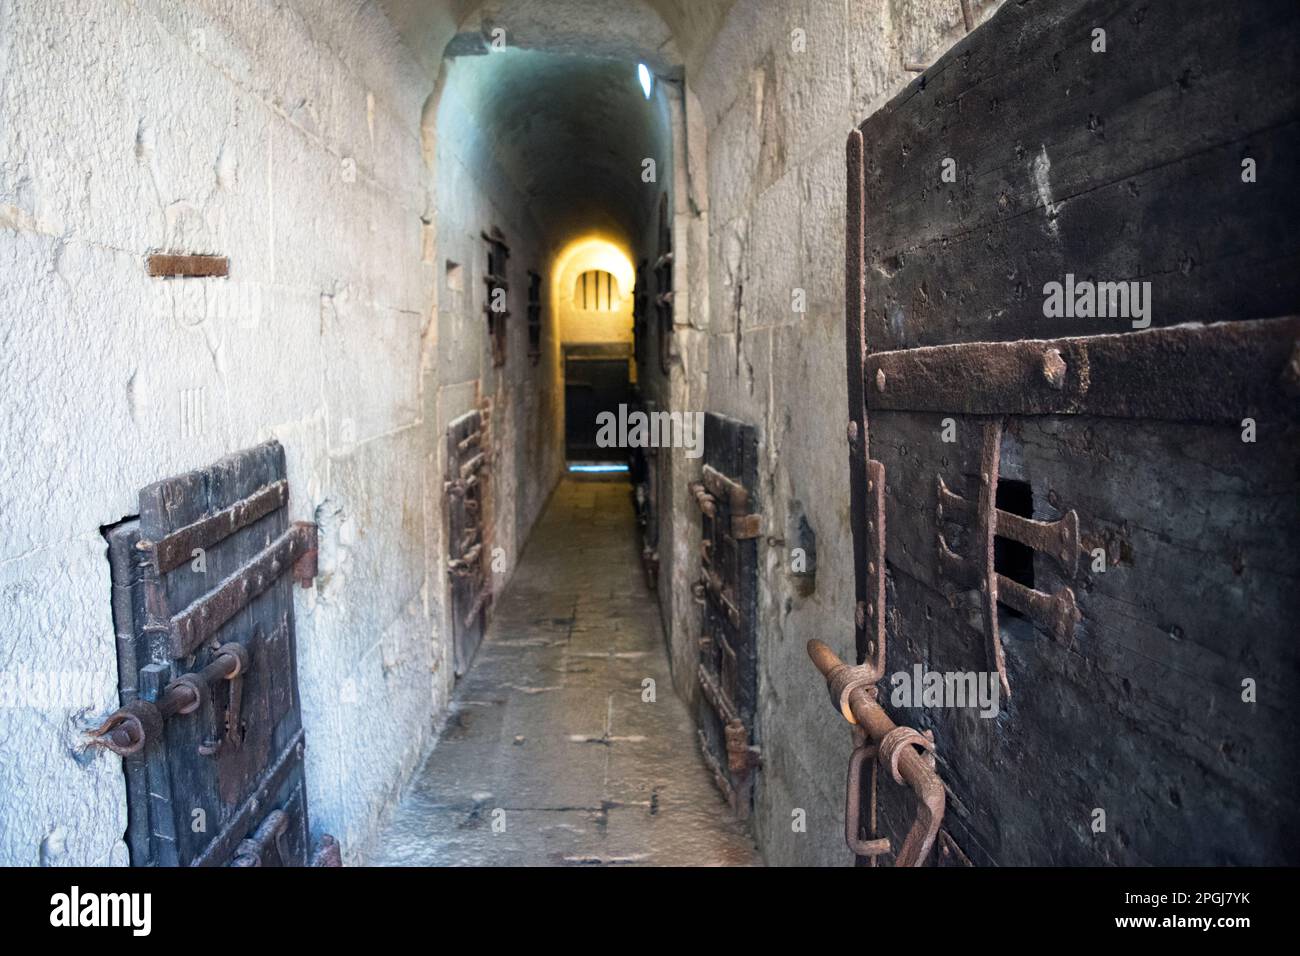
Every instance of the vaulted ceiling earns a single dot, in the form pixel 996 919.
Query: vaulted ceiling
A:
pixel 659 32
pixel 560 108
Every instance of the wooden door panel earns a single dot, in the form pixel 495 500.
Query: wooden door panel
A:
pixel 210 729
pixel 1147 477
pixel 465 493
pixel 728 590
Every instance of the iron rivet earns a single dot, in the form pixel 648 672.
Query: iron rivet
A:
pixel 871 567
pixel 853 431
pixel 984 477
pixel 871 610
pixel 1054 368
pixel 880 380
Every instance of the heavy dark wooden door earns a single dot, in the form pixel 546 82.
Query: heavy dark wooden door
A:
pixel 643 471
pixel 1099 510
pixel 467 563
pixel 728 589
pixel 210 728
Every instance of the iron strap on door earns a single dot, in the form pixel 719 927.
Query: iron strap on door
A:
pixel 209 728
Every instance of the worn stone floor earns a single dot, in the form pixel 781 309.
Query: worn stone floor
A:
pixel 550 757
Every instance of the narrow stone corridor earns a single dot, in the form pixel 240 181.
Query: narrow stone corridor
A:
pixel 550 755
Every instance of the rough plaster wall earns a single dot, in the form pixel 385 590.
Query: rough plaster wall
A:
pixel 233 129
pixel 597 27
pixel 589 325
pixel 776 122
pixel 473 193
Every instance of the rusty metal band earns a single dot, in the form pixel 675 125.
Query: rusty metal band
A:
pixel 855 355
pixel 178 547
pixel 720 777
pixel 270 832
pixel 133 726
pixel 176 266
pixel 844 680
pixel 1057 613
pixel 909 767
pixel 717 590
pixel 744 523
pixel 1205 373
pixel 853 805
pixel 480 602
pixel 985 532
pixel 203 618
pixel 720 486
pixel 703 500
pixel 224 843
pixel 873 626
pixel 713 694
pixel 1059 538
pixel 740 758
pixel 893 743
pixel 128 729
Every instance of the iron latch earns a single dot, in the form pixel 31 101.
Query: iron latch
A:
pixel 129 728
pixel 906 753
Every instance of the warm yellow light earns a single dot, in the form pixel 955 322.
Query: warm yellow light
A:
pixel 593 251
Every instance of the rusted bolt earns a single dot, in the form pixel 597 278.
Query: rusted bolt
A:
pixel 860 615
pixel 880 380
pixel 1054 369
pixel 871 610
